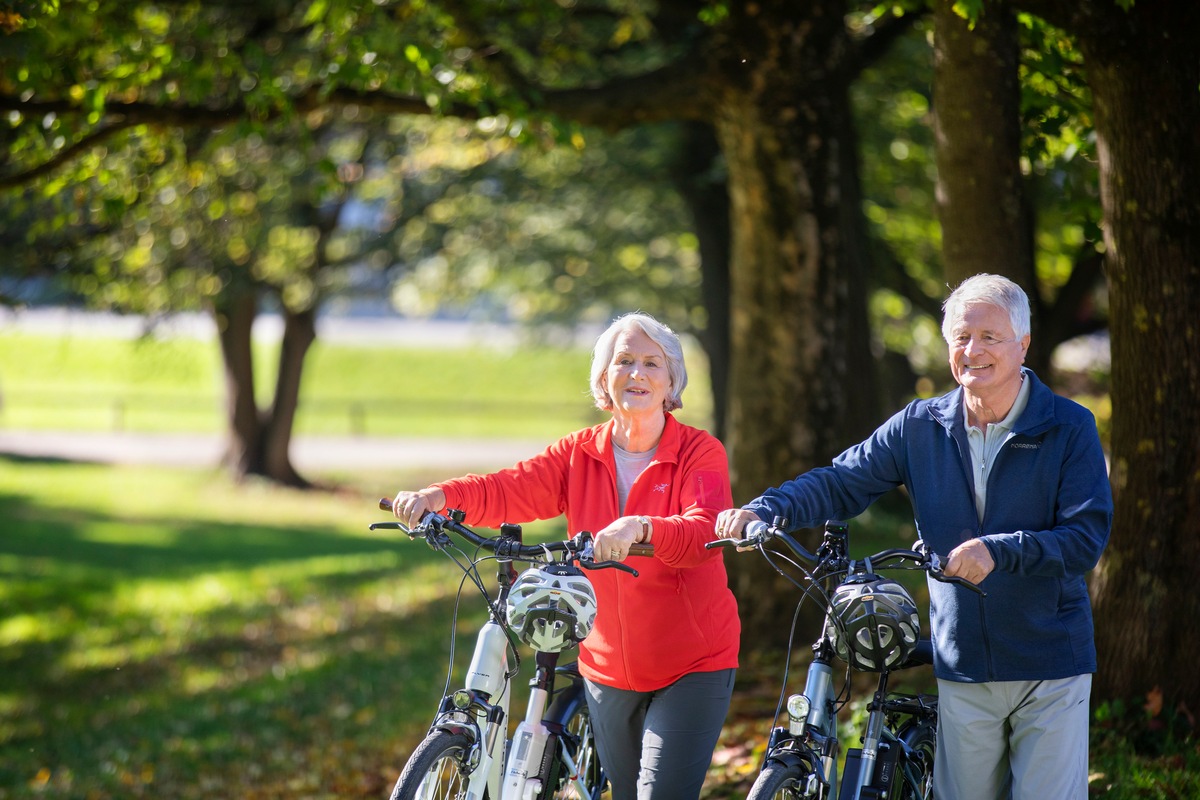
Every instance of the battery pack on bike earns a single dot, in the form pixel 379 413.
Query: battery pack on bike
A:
pixel 880 785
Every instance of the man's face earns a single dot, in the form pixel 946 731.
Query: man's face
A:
pixel 985 355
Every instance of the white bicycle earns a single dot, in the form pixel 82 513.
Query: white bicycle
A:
pixel 468 753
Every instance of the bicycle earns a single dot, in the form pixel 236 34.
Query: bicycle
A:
pixel 872 624
pixel 468 753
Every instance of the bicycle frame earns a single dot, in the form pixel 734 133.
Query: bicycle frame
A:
pixel 813 729
pixel 495 765
pixel 472 709
pixel 897 745
pixel 518 774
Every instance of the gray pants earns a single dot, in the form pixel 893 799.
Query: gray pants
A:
pixel 1024 740
pixel 658 745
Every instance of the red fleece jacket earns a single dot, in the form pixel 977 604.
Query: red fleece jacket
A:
pixel 678 616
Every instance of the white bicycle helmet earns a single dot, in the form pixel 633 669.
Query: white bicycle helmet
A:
pixel 552 608
pixel 878 625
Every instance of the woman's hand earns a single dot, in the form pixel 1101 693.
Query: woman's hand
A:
pixel 612 543
pixel 731 521
pixel 410 507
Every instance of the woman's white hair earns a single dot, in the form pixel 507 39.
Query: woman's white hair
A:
pixel 995 290
pixel 661 335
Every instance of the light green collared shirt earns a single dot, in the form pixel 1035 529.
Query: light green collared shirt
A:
pixel 986 444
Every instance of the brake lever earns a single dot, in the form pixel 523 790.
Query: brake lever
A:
pixel 435 538
pixel 592 565
pixel 742 545
pixel 396 526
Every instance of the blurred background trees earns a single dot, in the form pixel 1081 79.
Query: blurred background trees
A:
pixel 793 182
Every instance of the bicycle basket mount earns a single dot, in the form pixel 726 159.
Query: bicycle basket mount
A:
pixel 877 623
pixel 551 608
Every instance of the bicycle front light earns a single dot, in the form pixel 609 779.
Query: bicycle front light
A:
pixel 797 710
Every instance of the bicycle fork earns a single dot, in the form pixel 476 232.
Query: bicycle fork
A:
pixel 811 734
pixel 472 711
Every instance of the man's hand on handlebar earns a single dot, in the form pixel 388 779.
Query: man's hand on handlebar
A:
pixel 732 522
pixel 410 507
pixel 971 561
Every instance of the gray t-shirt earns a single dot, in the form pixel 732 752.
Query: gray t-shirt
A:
pixel 629 466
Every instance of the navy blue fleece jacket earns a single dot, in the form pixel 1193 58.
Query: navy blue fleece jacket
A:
pixel 1047 520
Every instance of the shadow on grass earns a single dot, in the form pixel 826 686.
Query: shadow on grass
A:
pixel 163 658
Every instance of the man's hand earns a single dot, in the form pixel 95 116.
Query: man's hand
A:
pixel 970 561
pixel 731 521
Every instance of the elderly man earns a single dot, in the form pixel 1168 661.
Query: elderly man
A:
pixel 1008 483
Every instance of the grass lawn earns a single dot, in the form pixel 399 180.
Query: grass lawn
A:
pixel 166 635
pixel 173 385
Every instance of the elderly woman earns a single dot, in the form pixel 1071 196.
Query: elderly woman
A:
pixel 659 664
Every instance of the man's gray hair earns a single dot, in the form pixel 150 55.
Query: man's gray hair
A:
pixel 995 290
pixel 661 335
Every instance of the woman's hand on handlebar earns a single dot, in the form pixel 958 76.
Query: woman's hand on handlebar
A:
pixel 614 541
pixel 410 507
pixel 732 522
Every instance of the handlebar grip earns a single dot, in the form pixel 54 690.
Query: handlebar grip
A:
pixel 641 549
pixel 754 533
pixel 755 529
pixel 385 504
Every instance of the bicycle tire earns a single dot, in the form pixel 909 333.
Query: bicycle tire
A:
pixel 780 781
pixel 571 711
pixel 917 782
pixel 435 769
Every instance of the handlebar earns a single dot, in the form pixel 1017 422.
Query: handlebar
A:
pixel 433 526
pixel 829 560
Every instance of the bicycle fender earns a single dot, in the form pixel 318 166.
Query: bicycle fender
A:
pixel 450 726
pixel 791 759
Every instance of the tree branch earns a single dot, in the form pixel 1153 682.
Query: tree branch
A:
pixel 66 154
pixel 123 115
pixel 872 48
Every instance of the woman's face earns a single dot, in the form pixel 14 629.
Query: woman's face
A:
pixel 985 354
pixel 637 379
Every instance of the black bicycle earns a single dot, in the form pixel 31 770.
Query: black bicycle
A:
pixel 872 624
pixel 468 753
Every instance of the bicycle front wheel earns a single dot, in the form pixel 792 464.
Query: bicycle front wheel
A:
pixel 784 782
pixel 437 769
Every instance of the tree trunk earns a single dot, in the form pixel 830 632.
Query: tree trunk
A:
pixel 257 442
pixel 801 377
pixel 700 178
pixel 984 214
pixel 1143 72
pixel 234 315
pixel 299 332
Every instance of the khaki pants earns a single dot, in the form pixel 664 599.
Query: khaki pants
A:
pixel 1013 740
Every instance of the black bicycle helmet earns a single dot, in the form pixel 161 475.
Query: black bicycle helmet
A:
pixel 877 625
pixel 552 608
